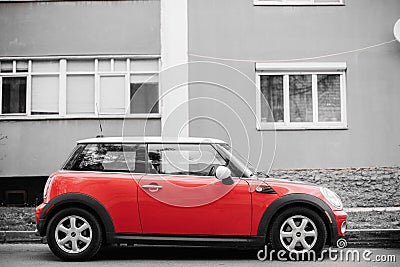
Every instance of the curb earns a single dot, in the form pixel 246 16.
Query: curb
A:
pixel 387 238
pixel 20 237
pixel 370 209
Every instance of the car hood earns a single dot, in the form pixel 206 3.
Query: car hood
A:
pixel 283 181
pixel 283 187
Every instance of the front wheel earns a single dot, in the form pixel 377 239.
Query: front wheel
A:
pixel 298 231
pixel 74 234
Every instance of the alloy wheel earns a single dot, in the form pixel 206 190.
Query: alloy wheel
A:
pixel 298 234
pixel 73 234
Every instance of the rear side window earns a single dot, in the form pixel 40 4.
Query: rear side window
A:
pixel 108 158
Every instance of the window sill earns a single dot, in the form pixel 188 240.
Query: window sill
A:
pixel 301 127
pixel 76 117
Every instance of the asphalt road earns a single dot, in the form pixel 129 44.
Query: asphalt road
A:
pixel 40 255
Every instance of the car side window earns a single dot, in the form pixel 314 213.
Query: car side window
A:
pixel 184 159
pixel 108 158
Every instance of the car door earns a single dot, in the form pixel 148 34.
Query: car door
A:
pixel 180 195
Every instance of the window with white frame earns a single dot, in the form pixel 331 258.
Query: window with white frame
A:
pixel 298 2
pixel 301 95
pixel 13 85
pixel 79 86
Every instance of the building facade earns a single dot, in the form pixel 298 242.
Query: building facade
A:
pixel 291 84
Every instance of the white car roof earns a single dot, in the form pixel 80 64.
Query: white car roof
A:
pixel 151 139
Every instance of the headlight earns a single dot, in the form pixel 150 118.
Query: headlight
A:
pixel 331 196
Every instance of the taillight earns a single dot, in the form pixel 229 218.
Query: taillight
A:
pixel 47 188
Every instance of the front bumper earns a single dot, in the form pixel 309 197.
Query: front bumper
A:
pixel 340 218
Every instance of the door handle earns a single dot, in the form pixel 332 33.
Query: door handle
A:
pixel 152 187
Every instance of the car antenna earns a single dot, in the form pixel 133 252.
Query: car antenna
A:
pixel 101 128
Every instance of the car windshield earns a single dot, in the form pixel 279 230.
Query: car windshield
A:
pixel 237 160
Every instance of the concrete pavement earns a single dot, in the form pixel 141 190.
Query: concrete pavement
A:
pixel 40 255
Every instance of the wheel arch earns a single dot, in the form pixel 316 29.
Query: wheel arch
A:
pixel 303 200
pixel 82 201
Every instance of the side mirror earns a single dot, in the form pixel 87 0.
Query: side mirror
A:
pixel 224 174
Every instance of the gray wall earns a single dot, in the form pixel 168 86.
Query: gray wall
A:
pixel 237 29
pixel 38 148
pixel 80 27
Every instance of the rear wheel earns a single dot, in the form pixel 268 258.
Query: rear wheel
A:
pixel 298 231
pixel 74 234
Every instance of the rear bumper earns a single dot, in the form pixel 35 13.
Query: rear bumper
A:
pixel 41 227
pixel 40 222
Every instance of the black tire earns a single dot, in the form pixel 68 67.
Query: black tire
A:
pixel 74 243
pixel 306 245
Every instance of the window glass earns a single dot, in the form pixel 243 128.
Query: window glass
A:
pixel 142 78
pixel 329 97
pixel 80 65
pixel 108 158
pixel 80 94
pixel 45 94
pixel 112 94
pixel 144 98
pixel 272 90
pixel 45 66
pixel 144 94
pixel 6 66
pixel 184 159
pixel 13 95
pixel 328 1
pixel 22 66
pixel 119 65
pixel 150 65
pixel 239 166
pixel 300 95
pixel 104 65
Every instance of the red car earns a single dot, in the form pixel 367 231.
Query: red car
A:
pixel 187 191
